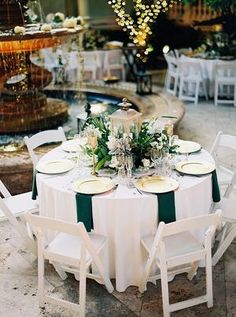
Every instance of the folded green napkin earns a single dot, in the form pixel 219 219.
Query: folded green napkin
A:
pixel 215 187
pixel 84 210
pixel 166 207
pixel 34 186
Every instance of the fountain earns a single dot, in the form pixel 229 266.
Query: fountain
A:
pixel 23 105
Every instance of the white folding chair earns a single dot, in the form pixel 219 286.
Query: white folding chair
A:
pixel 13 208
pixel 43 137
pixel 172 74
pixel 91 66
pixel 224 169
pixel 225 83
pixel 74 250
pixel 174 249
pixel 228 232
pixel 190 81
pixel 114 64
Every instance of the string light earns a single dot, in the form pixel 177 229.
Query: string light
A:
pixel 145 13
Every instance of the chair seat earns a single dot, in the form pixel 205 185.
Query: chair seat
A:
pixel 176 244
pixel 20 203
pixel 69 246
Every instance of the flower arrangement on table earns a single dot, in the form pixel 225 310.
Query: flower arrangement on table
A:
pixel 114 146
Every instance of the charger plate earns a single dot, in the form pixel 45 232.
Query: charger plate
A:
pixel 195 167
pixel 187 147
pixel 55 166
pixel 93 185
pixel 156 184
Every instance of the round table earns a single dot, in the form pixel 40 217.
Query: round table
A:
pixel 123 215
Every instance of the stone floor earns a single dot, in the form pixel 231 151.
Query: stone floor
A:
pixel 18 269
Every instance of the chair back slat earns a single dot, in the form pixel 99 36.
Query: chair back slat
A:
pixel 43 137
pixel 190 224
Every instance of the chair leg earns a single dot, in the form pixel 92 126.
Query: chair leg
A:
pixel 196 93
pixel 41 280
pixel 193 270
pixel 209 291
pixel 216 94
pixel 82 284
pixel 223 246
pixel 165 290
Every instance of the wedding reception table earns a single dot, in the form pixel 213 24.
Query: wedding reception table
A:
pixel 124 215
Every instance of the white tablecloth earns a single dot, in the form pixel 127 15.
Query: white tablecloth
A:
pixel 123 215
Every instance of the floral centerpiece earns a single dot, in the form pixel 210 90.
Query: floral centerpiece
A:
pixel 112 145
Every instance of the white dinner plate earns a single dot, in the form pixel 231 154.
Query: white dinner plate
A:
pixel 187 147
pixel 71 146
pixel 156 184
pixel 55 166
pixel 93 185
pixel 195 167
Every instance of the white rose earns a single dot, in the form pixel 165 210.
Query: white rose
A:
pixel 46 27
pixel 70 23
pixel 19 29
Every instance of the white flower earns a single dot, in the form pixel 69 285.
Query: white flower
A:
pixel 59 16
pixel 112 143
pixel 114 162
pixel 80 20
pixel 70 23
pixel 146 162
pixel 46 27
pixel 90 130
pixel 19 29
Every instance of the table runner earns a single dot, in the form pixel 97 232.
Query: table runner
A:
pixel 84 210
pixel 34 185
pixel 215 187
pixel 166 207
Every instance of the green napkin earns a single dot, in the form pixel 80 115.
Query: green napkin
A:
pixel 34 186
pixel 166 207
pixel 84 210
pixel 215 187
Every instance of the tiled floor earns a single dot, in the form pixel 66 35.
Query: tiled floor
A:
pixel 18 268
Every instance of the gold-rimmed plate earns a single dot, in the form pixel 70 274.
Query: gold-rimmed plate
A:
pixel 55 166
pixel 187 147
pixel 195 167
pixel 156 184
pixel 93 185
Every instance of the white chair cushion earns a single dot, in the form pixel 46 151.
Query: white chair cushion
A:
pixel 176 244
pixel 69 246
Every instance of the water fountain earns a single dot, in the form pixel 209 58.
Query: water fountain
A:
pixel 23 105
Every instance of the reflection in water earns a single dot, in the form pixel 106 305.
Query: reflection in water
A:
pixel 99 104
